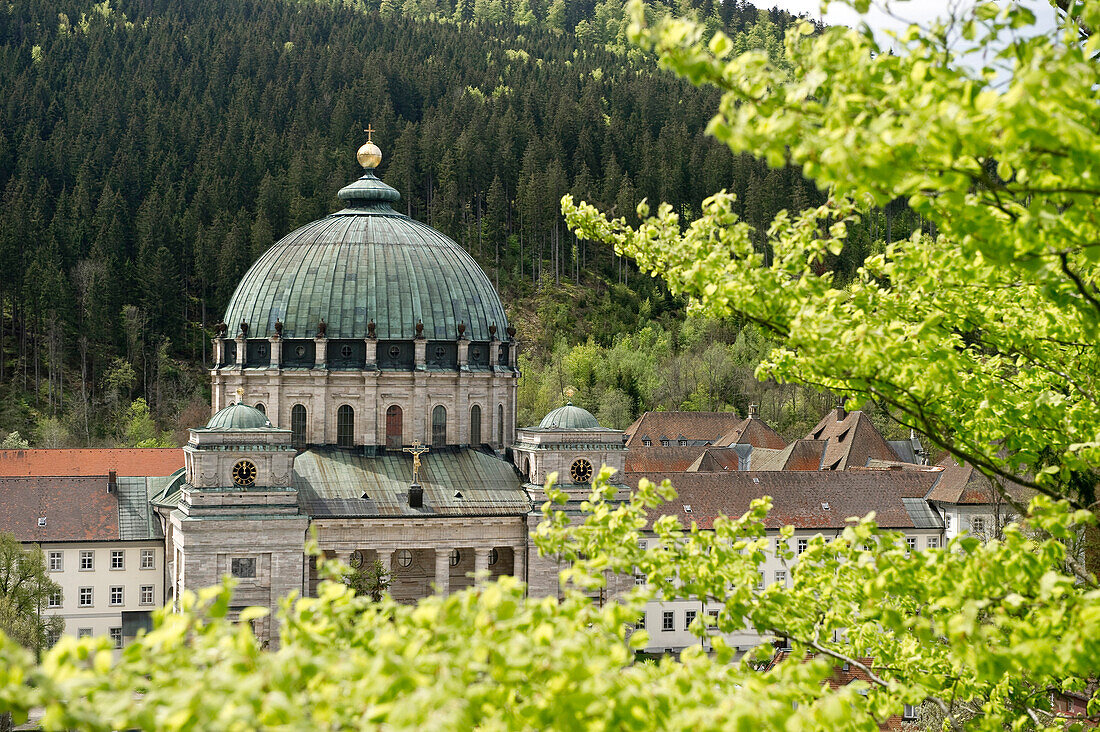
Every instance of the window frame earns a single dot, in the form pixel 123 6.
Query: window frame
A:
pixel 803 545
pixel 80 597
pixel 59 596
pixel 689 618
pixel 89 556
pixel 233 564
pixel 151 590
pixel 345 426
pixel 60 564
pixel 120 556
pixel 151 554
pixel 439 426
pixel 668 620
pixel 115 635
pixel 298 425
pixel 120 590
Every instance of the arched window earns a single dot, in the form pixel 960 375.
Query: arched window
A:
pixel 298 425
pixel 394 438
pixel 439 426
pixel 345 426
pixel 475 425
pixel 261 408
pixel 500 424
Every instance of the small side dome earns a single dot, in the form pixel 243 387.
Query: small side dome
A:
pixel 569 418
pixel 238 417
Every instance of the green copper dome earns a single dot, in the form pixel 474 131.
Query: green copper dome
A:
pixel 569 418
pixel 367 262
pixel 238 417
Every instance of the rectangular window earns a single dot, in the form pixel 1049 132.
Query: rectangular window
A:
pixel 910 712
pixel 779 546
pixel 639 578
pixel 116 595
pixel 148 559
pixel 910 544
pixel 146 594
pixel 84 633
pixel 760 584
pixel 87 561
pixel 947 521
pixel 689 618
pixel 118 559
pixel 668 620
pixel 54 600
pixel 640 625
pixel 802 544
pixel 933 542
pixel 116 637
pixel 977 525
pixel 781 577
pixel 56 562
pixel 85 597
pixel 243 567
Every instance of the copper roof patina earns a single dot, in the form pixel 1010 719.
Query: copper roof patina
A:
pixel 367 263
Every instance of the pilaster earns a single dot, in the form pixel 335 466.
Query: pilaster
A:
pixel 276 352
pixel 442 570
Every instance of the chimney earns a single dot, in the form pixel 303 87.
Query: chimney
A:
pixel 841 412
pixel 112 481
pixel 416 496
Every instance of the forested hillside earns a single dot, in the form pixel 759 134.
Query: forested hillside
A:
pixel 150 150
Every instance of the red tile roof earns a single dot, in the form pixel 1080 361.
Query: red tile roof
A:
pixel 124 461
pixel 852 439
pixel 962 484
pixel 799 455
pixel 75 509
pixel 673 426
pixel 799 498
pixel 753 431
pixel 672 459
pixel 716 459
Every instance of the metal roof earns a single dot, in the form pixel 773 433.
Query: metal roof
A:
pixel 367 262
pixel 569 417
pixel 238 417
pixel 922 514
pixel 135 514
pixel 456 482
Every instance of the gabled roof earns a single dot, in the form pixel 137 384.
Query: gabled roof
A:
pixel 696 427
pixel 804 499
pixel 721 458
pixel 799 455
pixel 332 482
pixel 852 438
pixel 753 431
pixel 130 461
pixel 671 459
pixel 962 484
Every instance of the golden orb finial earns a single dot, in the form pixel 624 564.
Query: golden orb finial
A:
pixel 369 155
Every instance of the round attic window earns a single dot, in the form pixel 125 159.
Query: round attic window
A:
pixel 395 351
pixel 345 351
pixel 300 351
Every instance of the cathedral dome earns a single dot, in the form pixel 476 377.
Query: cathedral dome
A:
pixel 569 418
pixel 238 417
pixel 367 263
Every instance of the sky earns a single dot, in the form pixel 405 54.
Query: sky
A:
pixel 916 11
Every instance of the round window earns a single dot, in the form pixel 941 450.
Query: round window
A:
pixel 475 353
pixel 262 351
pixel 357 558
pixel 440 351
pixel 580 471
pixel 493 557
pixel 395 351
pixel 404 557
pixel 300 350
pixel 455 556
pixel 345 351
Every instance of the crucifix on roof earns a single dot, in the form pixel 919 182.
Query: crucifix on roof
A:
pixel 369 131
pixel 416 451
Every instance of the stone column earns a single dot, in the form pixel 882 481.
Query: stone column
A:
pixel 276 352
pixel 242 351
pixel 463 354
pixel 420 348
pixel 321 352
pixel 442 570
pixel 519 562
pixel 219 350
pixel 372 353
pixel 481 561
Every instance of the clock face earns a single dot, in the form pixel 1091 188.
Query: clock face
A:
pixel 244 473
pixel 581 471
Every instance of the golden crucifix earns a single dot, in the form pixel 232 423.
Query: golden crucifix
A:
pixel 416 451
pixel 369 130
